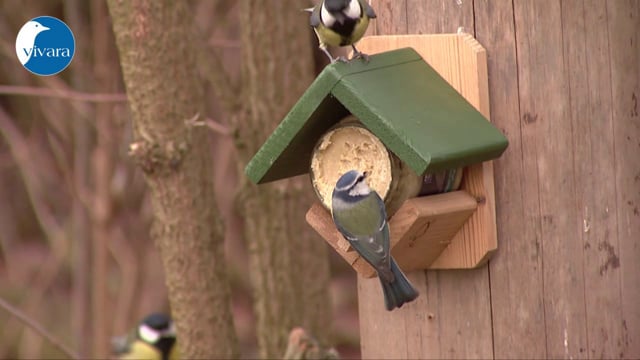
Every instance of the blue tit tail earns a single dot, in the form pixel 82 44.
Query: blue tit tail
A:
pixel 398 291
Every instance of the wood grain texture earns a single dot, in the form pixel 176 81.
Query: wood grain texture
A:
pixel 583 84
pixel 425 227
pixel 551 198
pixel 585 55
pixel 564 79
pixel 439 16
pixel 463 327
pixel 392 17
pixel 516 268
pixel 623 28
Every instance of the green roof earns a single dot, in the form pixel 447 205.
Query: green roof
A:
pixel 398 97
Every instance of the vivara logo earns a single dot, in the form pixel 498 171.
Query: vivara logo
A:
pixel 45 45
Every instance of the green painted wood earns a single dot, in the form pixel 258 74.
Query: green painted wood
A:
pixel 401 99
pixel 287 152
pixel 420 117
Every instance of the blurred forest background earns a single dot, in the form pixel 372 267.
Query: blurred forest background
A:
pixel 76 254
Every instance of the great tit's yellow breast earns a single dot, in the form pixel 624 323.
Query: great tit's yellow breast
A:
pixel 141 351
pixel 359 30
pixel 175 353
pixel 327 36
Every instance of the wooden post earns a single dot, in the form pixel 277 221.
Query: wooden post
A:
pixel 564 80
pixel 462 62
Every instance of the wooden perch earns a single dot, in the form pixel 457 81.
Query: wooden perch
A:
pixel 420 231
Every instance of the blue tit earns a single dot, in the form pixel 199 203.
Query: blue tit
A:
pixel 153 339
pixel 341 23
pixel 360 216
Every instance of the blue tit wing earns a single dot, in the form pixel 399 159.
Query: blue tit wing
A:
pixel 368 10
pixel 364 225
pixel 375 250
pixel 314 20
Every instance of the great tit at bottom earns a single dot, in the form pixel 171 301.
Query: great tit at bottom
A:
pixel 153 339
pixel 341 23
pixel 360 216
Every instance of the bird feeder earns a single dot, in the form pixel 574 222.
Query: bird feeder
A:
pixel 419 107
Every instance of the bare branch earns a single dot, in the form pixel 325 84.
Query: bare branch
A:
pixel 24 156
pixel 61 94
pixel 210 123
pixel 35 326
pixel 217 127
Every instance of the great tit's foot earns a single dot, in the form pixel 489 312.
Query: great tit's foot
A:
pixel 341 59
pixel 357 54
pixel 360 55
pixel 326 52
pixel 333 60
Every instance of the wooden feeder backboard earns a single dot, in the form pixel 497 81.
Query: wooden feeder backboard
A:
pixel 462 61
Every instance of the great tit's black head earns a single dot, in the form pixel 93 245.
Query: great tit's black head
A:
pixel 336 5
pixel 158 331
pixel 157 321
pixel 156 327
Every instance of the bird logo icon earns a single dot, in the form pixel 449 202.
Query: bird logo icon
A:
pixel 27 38
pixel 45 45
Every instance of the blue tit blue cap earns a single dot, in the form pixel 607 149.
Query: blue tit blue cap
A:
pixel 348 179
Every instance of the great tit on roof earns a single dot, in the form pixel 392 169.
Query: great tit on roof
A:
pixel 153 339
pixel 341 23
pixel 360 216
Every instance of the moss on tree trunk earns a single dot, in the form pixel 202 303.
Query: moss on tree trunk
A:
pixel 156 44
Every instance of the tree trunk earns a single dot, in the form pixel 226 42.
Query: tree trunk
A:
pixel 157 53
pixel 288 261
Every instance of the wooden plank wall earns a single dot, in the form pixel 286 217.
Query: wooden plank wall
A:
pixel 564 80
